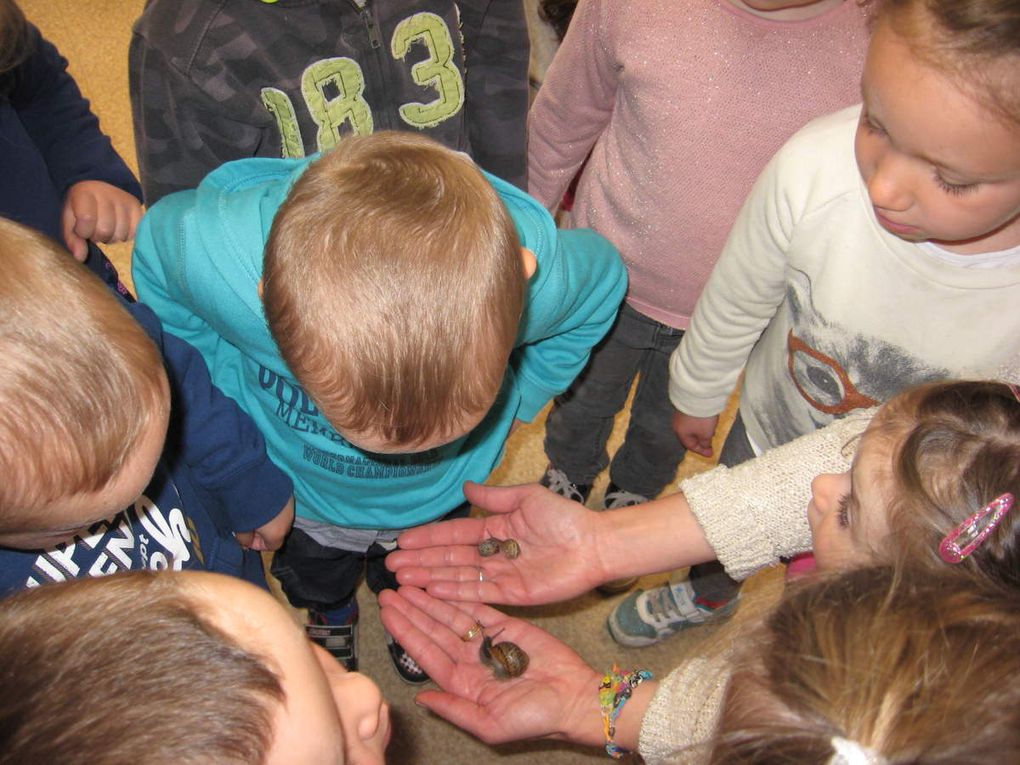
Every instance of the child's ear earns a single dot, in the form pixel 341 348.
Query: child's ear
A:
pixel 527 258
pixel 262 287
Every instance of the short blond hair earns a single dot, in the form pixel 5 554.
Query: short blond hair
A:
pixel 914 666
pixel 128 669
pixel 394 286
pixel 81 383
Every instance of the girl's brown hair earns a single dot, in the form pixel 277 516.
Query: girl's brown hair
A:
pixel 918 668
pixel 977 42
pixel 954 447
pixel 14 39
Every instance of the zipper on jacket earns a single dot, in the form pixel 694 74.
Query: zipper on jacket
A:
pixel 366 17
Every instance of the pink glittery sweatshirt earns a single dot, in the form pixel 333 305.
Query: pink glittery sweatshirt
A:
pixel 681 105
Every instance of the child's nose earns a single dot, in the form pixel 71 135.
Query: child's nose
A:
pixel 888 186
pixel 827 490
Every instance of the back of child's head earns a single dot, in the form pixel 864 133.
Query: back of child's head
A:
pixel 977 42
pixel 870 668
pixel 123 670
pixel 81 378
pixel 953 448
pixel 394 287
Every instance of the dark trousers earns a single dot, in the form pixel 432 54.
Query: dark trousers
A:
pixel 325 578
pixel 581 422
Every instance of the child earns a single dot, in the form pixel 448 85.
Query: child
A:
pixel 61 174
pixel 140 428
pixel 680 111
pixel 931 461
pixel 212 82
pixel 216 671
pixel 856 671
pixel 873 662
pixel 866 250
pixel 392 357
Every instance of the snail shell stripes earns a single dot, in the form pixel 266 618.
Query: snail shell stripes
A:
pixel 506 659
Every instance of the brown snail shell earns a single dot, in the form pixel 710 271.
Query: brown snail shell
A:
pixel 506 659
pixel 511 548
pixel 489 546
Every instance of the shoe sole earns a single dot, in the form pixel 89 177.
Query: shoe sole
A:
pixel 617 586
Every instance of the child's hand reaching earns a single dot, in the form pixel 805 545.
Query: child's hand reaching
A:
pixel 98 211
pixel 696 433
pixel 269 536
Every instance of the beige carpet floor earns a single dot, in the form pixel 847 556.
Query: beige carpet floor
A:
pixel 94 36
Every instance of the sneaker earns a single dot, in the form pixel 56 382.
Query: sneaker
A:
pixel 614 499
pixel 407 668
pixel 337 632
pixel 556 480
pixel 646 617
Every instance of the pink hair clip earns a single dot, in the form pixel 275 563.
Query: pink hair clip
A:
pixel 974 530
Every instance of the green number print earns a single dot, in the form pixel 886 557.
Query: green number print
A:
pixel 331 113
pixel 278 104
pixel 437 71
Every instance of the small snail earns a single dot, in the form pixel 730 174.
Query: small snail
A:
pixel 509 547
pixel 488 547
pixel 506 659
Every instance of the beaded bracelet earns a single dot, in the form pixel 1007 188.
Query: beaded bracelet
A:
pixel 614 690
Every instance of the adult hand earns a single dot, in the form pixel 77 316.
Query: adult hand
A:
pixel 556 696
pixel 98 211
pixel 695 433
pixel 270 535
pixel 558 558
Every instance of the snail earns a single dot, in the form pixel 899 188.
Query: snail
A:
pixel 509 547
pixel 506 659
pixel 488 547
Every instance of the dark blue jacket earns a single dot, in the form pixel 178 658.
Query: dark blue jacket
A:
pixel 50 140
pixel 214 478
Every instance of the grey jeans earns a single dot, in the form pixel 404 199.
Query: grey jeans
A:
pixel 582 419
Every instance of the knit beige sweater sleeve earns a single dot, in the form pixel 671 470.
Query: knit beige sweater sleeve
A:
pixel 682 715
pixel 754 513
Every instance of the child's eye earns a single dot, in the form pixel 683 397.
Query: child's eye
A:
pixel 956 189
pixel 870 126
pixel 843 511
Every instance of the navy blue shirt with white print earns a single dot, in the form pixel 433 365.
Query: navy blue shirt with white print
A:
pixel 213 478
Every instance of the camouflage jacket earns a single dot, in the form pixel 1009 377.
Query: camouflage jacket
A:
pixel 217 80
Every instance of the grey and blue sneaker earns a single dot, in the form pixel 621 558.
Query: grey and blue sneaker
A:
pixel 646 617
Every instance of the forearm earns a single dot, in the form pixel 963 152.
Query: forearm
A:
pixel 660 535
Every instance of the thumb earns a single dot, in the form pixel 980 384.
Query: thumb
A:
pixel 495 499
pixel 79 247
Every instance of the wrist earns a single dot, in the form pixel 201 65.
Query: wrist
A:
pixel 583 716
pixel 623 698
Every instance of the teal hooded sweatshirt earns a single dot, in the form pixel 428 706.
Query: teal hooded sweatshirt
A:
pixel 197 263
